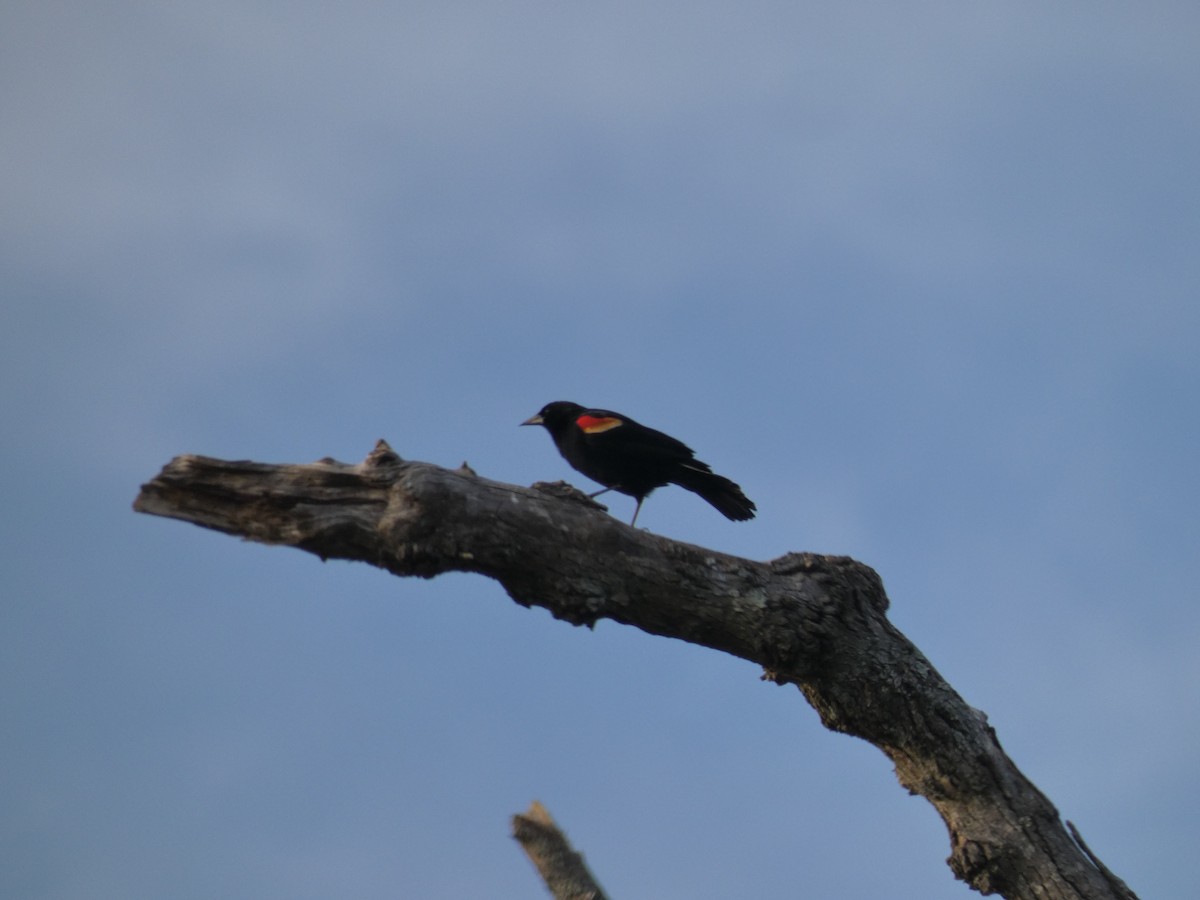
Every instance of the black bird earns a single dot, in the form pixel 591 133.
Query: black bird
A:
pixel 628 457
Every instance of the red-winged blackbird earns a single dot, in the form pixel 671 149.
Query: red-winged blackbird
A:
pixel 630 458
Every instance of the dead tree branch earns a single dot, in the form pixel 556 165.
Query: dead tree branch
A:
pixel 562 869
pixel 818 622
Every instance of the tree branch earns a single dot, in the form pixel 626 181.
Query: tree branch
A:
pixel 818 622
pixel 562 869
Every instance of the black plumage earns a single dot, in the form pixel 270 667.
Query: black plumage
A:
pixel 628 457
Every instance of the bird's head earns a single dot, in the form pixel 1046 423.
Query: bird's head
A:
pixel 554 415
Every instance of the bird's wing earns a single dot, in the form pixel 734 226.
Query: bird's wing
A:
pixel 602 426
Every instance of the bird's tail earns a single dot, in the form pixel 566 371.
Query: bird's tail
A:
pixel 722 493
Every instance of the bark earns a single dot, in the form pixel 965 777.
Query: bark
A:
pixel 818 622
pixel 562 869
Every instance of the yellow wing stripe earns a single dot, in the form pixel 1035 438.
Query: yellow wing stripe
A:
pixel 595 425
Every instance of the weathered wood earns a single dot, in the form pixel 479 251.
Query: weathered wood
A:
pixel 818 622
pixel 562 868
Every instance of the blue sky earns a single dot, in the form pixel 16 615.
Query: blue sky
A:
pixel 922 280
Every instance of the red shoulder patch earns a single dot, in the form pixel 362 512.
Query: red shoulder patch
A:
pixel 597 424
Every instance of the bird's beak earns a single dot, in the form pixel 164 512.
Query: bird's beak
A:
pixel 533 420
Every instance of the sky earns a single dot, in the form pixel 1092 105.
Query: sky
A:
pixel 921 278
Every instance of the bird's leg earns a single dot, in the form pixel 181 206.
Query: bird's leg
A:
pixel 637 509
pixel 599 492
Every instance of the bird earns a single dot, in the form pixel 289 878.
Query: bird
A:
pixel 630 458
